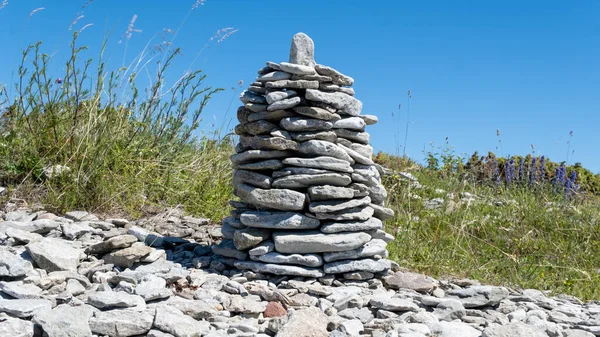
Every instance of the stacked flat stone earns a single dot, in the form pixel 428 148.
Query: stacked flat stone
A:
pixel 312 201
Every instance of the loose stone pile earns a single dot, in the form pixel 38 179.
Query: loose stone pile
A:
pixel 81 276
pixel 312 202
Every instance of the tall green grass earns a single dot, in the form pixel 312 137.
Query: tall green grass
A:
pixel 126 151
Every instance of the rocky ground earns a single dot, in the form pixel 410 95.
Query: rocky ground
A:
pixel 78 275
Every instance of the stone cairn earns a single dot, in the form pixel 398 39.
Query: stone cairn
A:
pixel 312 202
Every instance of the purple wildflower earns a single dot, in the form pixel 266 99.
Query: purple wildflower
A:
pixel 533 171
pixel 542 168
pixel 496 172
pixel 570 187
pixel 510 171
pixel 556 179
pixel 59 80
pixel 521 169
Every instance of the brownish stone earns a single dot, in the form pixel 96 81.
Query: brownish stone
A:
pixel 274 309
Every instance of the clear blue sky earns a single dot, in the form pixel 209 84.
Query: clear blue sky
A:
pixel 528 68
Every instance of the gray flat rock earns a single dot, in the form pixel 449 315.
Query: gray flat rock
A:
pixel 152 287
pixel 381 234
pixel 302 50
pixel 361 213
pixel 252 97
pixel 337 77
pixel 24 308
pixel 252 155
pixel 315 77
pixel 351 226
pixel 279 199
pixel 65 320
pixel 307 180
pixel 116 242
pixel 329 136
pixel 330 206
pixel 54 254
pixel 173 321
pixel 23 236
pixel 344 102
pixel 346 266
pixel 254 107
pixel 246 305
pixel 242 114
pixel 316 148
pixel 369 249
pixel 260 127
pixel 21 290
pixel 363 150
pixel 350 123
pixel 284 104
pixel 126 257
pixel 360 190
pixel 393 304
pixel 158 333
pixel 228 231
pixel 513 329
pixel 278 220
pixel 279 269
pixel 316 112
pixel 270 164
pixel 453 329
pixel 378 194
pixel 370 119
pixel 478 296
pixel 288 84
pixel 12 265
pixel 408 280
pixel 308 260
pixel 382 213
pixel 359 158
pixel 249 237
pixel 257 89
pixel 113 299
pixel 268 143
pixel 273 65
pixel 73 230
pixel 227 248
pixel 43 226
pixel 307 322
pixel 197 309
pixel 355 136
pixel 297 69
pixel 262 249
pixel 334 87
pixel 299 124
pixel 14 327
pixel 281 134
pixel 275 96
pixel 289 171
pixel 273 116
pixel 327 192
pixel 123 322
pixel 274 76
pixel 316 242
pixel 251 178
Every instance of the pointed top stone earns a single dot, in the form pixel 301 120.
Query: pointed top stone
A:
pixel 302 50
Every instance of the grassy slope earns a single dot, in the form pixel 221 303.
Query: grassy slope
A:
pixel 534 239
